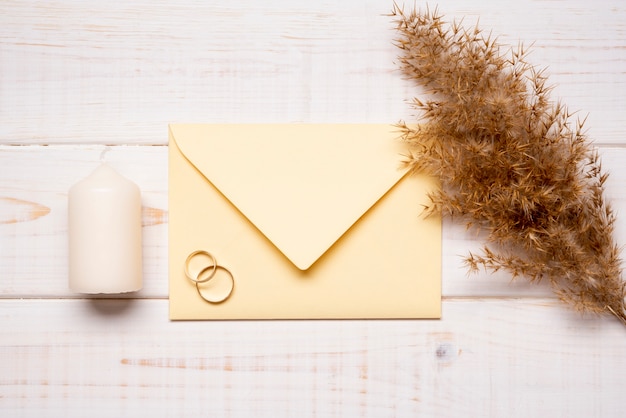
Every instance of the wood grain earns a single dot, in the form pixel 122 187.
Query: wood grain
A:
pixel 33 262
pixel 484 358
pixel 17 210
pixel 33 201
pixel 117 72
pixel 80 77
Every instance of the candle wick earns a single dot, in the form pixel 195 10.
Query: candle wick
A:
pixel 104 151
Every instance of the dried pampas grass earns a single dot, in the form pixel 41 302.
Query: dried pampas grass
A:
pixel 511 162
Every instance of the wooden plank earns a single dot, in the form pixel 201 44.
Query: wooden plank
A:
pixel 33 221
pixel 33 213
pixel 118 71
pixel 79 74
pixel 511 358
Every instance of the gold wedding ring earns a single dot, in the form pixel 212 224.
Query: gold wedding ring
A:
pixel 219 288
pixel 212 267
pixel 216 288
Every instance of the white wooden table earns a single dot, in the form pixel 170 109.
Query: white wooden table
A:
pixel 77 76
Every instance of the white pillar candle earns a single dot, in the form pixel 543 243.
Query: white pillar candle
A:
pixel 104 225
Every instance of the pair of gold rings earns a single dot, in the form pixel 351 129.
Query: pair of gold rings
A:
pixel 214 283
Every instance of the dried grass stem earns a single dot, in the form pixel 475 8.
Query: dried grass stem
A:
pixel 512 162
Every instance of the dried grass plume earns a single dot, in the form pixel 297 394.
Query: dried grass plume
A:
pixel 511 162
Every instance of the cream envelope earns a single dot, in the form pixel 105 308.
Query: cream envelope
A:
pixel 313 221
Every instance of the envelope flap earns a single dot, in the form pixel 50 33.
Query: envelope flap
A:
pixel 302 185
